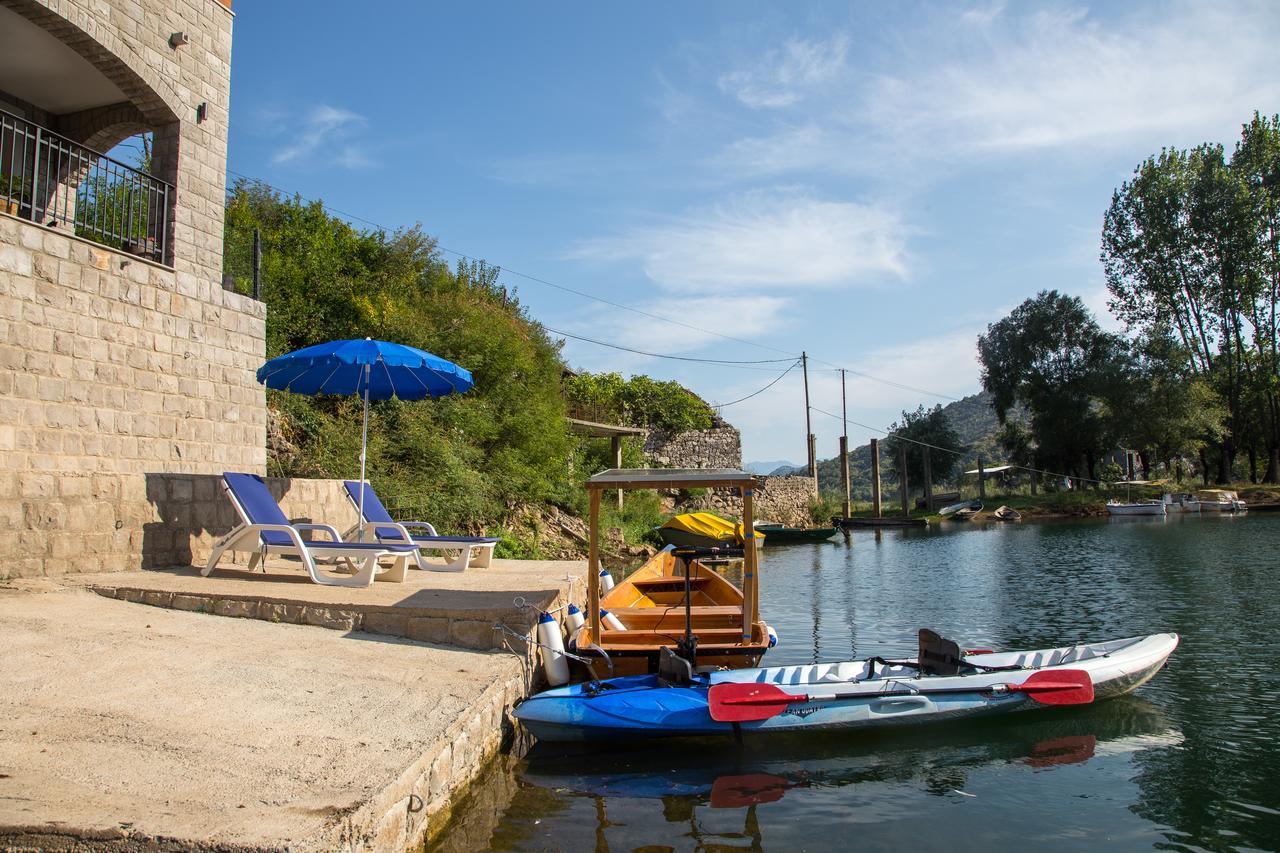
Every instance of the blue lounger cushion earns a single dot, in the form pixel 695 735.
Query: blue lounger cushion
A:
pixel 261 507
pixel 375 512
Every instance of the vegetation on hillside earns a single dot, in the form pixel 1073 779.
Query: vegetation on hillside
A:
pixel 460 461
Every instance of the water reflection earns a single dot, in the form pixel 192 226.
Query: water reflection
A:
pixel 1189 762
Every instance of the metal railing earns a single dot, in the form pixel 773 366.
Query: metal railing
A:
pixel 48 179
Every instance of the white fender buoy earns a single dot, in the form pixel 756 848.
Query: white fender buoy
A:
pixel 613 623
pixel 773 635
pixel 573 619
pixel 606 580
pixel 554 663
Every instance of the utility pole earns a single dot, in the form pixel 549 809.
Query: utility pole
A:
pixel 902 479
pixel 875 477
pixel 844 444
pixel 808 424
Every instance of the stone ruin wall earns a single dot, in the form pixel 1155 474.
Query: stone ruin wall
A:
pixel 717 447
pixel 781 499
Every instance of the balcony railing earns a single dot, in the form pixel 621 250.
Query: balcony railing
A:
pixel 49 179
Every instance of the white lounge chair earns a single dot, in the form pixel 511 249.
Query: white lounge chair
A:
pixel 378 526
pixel 265 530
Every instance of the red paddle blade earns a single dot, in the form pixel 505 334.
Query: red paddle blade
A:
pixel 1057 687
pixel 739 703
pixel 737 792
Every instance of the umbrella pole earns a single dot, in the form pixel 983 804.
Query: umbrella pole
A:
pixel 364 446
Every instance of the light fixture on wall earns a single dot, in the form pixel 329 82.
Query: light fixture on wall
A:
pixel 178 39
pixel 202 112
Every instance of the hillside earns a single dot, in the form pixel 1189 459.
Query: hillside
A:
pixel 972 418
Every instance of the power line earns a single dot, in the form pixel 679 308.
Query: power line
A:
pixel 762 390
pixel 720 361
pixel 602 300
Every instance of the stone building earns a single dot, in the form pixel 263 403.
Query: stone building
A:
pixel 126 371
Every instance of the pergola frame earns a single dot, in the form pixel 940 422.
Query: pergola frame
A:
pixel 676 478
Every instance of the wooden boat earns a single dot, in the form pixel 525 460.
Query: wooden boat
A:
pixel 650 604
pixel 941 688
pixel 776 534
pixel 1007 513
pixel 962 511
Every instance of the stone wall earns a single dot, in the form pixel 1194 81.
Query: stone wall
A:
pixel 114 372
pixel 782 499
pixel 123 381
pixel 718 447
pixel 127 41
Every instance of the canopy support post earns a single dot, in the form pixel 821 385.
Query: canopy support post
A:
pixel 750 564
pixel 593 564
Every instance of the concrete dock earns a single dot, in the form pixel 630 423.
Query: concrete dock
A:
pixel 134 713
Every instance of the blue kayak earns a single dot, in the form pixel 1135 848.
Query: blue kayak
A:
pixel 846 695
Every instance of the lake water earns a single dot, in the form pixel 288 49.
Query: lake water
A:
pixel 1190 761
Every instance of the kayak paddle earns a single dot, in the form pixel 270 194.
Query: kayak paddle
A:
pixel 738 703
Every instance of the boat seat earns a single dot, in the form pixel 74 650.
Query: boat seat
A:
pixel 938 656
pixel 668 612
pixel 640 636
pixel 670 583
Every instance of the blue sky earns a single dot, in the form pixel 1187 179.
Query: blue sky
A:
pixel 872 183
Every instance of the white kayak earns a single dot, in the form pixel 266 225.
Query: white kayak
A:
pixel 847 695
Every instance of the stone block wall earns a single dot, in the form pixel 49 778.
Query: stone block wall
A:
pixel 127 41
pixel 125 384
pixel 718 447
pixel 782 499
pixel 114 372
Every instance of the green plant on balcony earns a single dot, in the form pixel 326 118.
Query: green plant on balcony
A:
pixel 13 190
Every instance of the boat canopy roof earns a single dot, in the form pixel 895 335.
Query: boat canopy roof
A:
pixel 670 478
pixel 709 525
pixel 1215 495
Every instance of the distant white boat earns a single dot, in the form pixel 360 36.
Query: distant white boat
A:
pixel 1137 508
pixel 1219 500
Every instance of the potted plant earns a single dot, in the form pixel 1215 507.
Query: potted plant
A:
pixel 13 189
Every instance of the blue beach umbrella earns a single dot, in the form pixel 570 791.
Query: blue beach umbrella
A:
pixel 374 370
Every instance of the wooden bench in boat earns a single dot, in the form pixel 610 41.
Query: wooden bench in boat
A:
pixel 672 615
pixel 706 636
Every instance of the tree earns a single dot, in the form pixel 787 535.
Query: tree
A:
pixel 1158 408
pixel 1050 355
pixel 464 460
pixel 920 432
pixel 1191 244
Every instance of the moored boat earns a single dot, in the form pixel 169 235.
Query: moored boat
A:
pixel 649 604
pixel 700 530
pixel 962 511
pixel 777 534
pixel 1007 513
pixel 1219 500
pixel 1136 508
pixel 934 687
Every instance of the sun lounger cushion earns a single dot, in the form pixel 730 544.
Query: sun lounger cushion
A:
pixel 374 511
pixel 261 507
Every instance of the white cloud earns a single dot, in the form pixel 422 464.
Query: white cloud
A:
pixel 787 73
pixel 764 239
pixel 990 81
pixel 752 316
pixel 325 135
